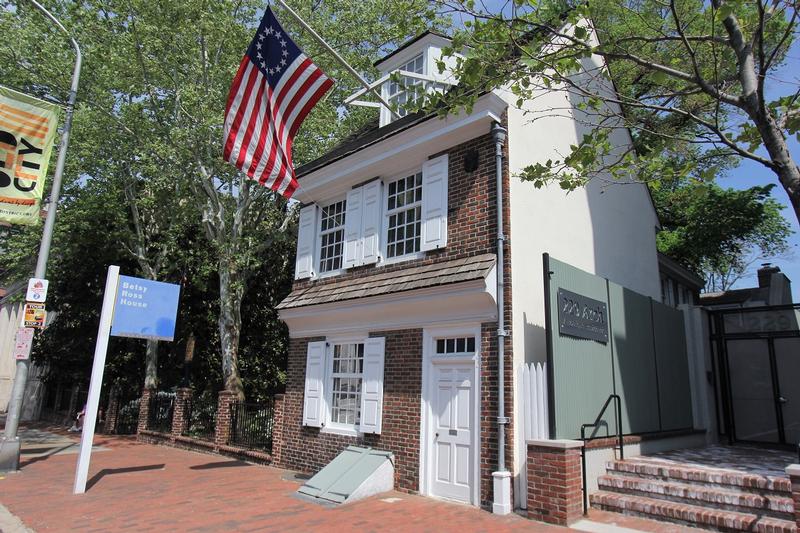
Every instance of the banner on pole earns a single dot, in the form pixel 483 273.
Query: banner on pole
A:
pixel 27 129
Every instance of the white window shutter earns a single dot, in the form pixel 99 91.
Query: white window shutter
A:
pixel 304 263
pixel 372 385
pixel 371 222
pixel 313 400
pixel 352 229
pixel 434 203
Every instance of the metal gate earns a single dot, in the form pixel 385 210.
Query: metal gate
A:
pixel 757 362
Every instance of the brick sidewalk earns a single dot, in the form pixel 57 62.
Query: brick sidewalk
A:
pixel 140 487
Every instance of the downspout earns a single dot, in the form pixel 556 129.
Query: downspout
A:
pixel 502 478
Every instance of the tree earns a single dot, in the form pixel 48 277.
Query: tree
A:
pixel 157 78
pixel 718 232
pixel 688 73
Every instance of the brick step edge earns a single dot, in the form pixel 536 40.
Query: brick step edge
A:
pixel 719 498
pixel 708 476
pixel 691 515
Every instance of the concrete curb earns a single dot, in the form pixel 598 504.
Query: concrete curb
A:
pixel 11 524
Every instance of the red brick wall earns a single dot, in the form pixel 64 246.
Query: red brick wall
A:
pixel 472 230
pixel 471 221
pixel 309 449
pixel 794 475
pixel 554 484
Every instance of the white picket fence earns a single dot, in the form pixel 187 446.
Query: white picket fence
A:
pixel 533 377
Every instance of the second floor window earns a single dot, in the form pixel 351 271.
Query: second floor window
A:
pixel 331 233
pixel 404 214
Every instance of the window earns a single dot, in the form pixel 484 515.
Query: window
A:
pixel 331 237
pixel 456 345
pixel 407 90
pixel 404 213
pixel 346 379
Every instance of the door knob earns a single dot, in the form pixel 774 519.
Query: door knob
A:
pixel 781 399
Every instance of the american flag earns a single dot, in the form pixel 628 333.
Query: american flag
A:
pixel 273 91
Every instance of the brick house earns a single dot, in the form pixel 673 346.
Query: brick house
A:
pixel 393 317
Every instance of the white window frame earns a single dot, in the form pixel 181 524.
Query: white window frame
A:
pixel 386 260
pixel 330 426
pixel 318 240
pixel 416 82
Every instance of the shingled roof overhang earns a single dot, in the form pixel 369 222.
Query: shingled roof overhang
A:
pixel 459 291
pixel 386 283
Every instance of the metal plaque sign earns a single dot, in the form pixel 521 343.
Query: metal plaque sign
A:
pixel 582 317
pixel 145 309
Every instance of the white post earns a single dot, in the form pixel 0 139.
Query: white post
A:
pixel 92 402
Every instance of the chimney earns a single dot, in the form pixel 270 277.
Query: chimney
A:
pixel 765 274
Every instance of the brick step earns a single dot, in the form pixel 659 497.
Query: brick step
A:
pixel 716 497
pixel 691 515
pixel 687 473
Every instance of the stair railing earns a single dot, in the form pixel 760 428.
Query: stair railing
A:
pixel 597 422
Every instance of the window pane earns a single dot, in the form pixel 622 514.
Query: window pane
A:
pixel 348 365
pixel 404 210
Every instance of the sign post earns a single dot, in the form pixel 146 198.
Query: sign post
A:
pixel 93 400
pixel 132 307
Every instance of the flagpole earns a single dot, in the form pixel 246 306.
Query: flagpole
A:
pixel 341 60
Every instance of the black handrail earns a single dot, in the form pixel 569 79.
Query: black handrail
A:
pixel 597 421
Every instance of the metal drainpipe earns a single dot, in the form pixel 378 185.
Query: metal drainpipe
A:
pixel 499 134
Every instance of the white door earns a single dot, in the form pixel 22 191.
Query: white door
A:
pixel 452 431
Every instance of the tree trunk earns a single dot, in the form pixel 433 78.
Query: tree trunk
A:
pixel 783 163
pixel 151 365
pixel 230 325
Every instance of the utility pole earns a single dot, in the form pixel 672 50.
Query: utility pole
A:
pixel 9 443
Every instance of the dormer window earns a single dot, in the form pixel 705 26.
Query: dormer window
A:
pixel 406 75
pixel 407 90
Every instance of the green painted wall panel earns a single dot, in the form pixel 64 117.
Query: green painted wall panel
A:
pixel 635 376
pixel 673 368
pixel 581 369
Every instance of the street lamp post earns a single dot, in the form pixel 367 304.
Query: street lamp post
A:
pixel 9 443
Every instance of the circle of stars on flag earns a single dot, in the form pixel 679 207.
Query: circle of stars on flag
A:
pixel 277 35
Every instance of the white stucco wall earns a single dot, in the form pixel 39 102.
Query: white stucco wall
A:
pixel 604 228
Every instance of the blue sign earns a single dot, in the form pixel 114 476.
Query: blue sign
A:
pixel 145 309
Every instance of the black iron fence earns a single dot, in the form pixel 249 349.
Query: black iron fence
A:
pixel 251 425
pixel 128 418
pixel 159 416
pixel 201 418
